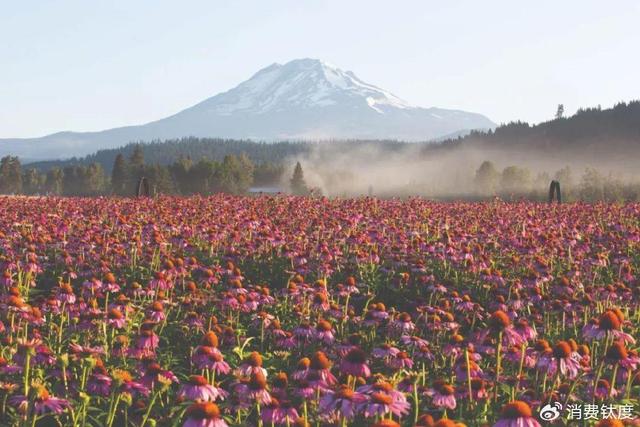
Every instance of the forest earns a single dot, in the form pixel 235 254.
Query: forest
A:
pixel 515 160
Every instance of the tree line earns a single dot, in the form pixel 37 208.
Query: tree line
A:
pixel 233 174
pixel 520 182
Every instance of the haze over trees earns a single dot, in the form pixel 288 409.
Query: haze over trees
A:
pixel 298 184
pixel 592 154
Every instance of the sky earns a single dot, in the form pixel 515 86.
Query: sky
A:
pixel 92 65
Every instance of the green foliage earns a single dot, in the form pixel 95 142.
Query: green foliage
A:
pixel 54 181
pixel 119 175
pixel 515 179
pixel 486 179
pixel 298 184
pixel 10 175
pixel 83 180
pixel 32 181
pixel 136 167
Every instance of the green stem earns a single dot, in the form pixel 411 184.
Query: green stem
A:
pixel 613 380
pixel 498 364
pixel 27 368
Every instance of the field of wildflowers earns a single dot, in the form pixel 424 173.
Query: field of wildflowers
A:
pixel 293 311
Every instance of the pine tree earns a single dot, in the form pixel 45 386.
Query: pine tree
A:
pixel 298 185
pixel 94 179
pixel 136 167
pixel 10 175
pixel 31 181
pixel 54 181
pixel 181 172
pixel 119 176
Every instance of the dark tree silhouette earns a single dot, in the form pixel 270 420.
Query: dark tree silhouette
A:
pixel 298 185
pixel 119 176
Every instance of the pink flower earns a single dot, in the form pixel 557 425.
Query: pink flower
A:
pixel 380 403
pixel 517 414
pixel 197 388
pixel 355 363
pixel 43 404
pixel 204 414
pixel 343 402
pixel 442 395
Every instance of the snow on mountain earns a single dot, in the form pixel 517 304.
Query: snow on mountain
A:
pixel 302 99
pixel 305 83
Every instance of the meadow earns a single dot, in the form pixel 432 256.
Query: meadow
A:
pixel 298 311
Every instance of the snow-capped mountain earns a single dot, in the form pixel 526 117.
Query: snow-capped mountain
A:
pixel 303 83
pixel 302 99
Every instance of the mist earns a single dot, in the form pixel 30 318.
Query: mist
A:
pixel 438 171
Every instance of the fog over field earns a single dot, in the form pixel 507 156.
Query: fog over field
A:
pixel 375 169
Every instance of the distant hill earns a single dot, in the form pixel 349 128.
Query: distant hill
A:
pixel 302 99
pixel 593 135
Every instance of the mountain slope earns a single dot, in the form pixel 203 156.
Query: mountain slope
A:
pixel 302 99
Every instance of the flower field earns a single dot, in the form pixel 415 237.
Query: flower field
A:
pixel 294 311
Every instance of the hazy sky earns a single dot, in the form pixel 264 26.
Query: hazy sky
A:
pixel 90 65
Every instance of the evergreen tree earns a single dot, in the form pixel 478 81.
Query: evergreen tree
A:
pixel 119 178
pixel 560 111
pixel 71 177
pixel 298 184
pixel 94 179
pixel 160 180
pixel 10 175
pixel 137 157
pixel 54 181
pixel 245 173
pixel 182 175
pixel 31 181
pixel 203 176
pixel 136 167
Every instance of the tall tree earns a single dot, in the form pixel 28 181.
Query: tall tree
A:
pixel 298 184
pixel 560 111
pixel 94 179
pixel 54 181
pixel 160 180
pixel 487 178
pixel 136 166
pixel 181 171
pixel 31 181
pixel 119 176
pixel 10 175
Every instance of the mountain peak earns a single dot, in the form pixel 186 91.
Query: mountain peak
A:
pixel 302 83
pixel 302 99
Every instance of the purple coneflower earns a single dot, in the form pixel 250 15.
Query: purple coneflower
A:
pixel 609 324
pixel 517 414
pixel 324 332
pixel 155 374
pixel 355 363
pixel 343 402
pixel 252 365
pixel 381 403
pixel 116 319
pixel 321 364
pixel 44 403
pixel 442 395
pixel 279 412
pixel 197 388
pixel 204 414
